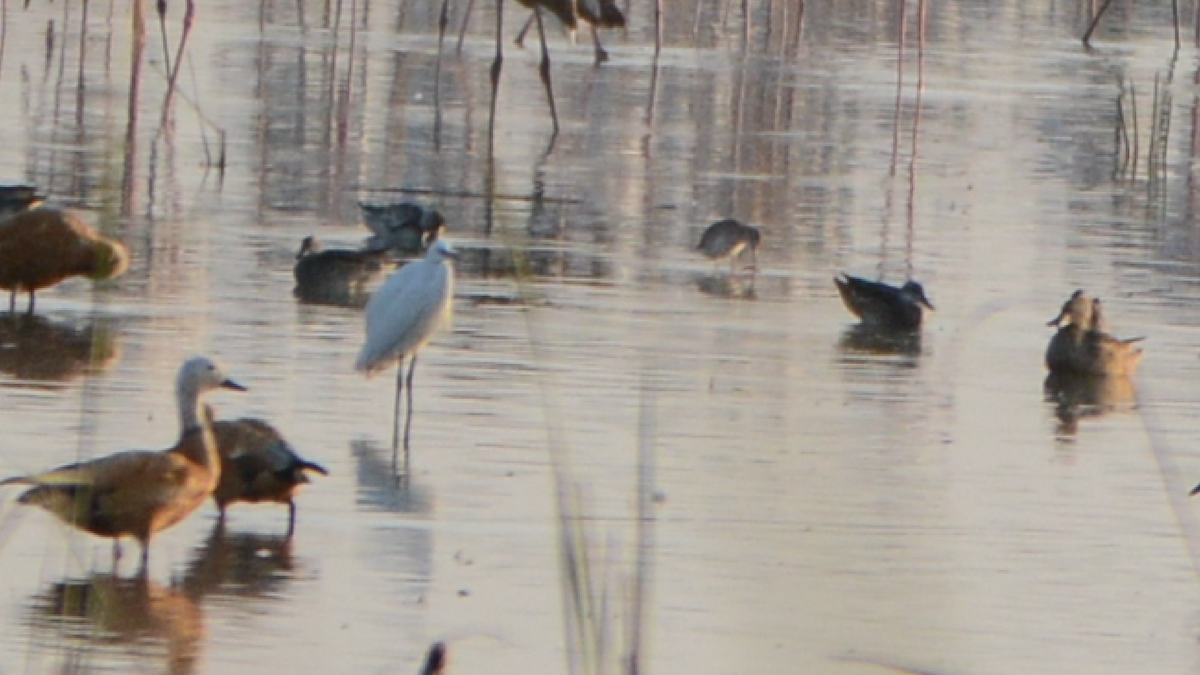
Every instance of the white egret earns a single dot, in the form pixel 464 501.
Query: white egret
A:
pixel 410 306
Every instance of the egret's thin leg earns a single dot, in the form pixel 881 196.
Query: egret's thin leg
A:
pixel 412 366
pixel 396 412
pixel 544 69
pixel 12 301
pixel 520 41
pixel 30 302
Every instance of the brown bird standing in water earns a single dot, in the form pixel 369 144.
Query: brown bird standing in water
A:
pixel 727 238
pixel 138 493
pixel 40 248
pixel 258 465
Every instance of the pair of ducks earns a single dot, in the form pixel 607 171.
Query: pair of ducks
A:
pixel 1082 347
pixel 139 493
pixel 340 276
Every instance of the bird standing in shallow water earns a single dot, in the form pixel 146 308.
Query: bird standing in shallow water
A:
pixel 883 306
pixel 402 316
pixel 138 493
pixel 40 248
pixel 258 465
pixel 727 238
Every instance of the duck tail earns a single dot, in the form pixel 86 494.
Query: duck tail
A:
pixel 306 465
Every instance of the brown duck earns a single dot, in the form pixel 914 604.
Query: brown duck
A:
pixel 1082 347
pixel 41 247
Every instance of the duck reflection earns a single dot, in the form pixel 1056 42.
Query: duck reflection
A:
pixel 1078 396
pixel 870 339
pixel 36 349
pixel 242 564
pixel 114 619
pixel 727 286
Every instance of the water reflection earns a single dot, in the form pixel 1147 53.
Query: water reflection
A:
pixel 243 565
pixel 1078 396
pixel 380 485
pixel 865 339
pixel 107 619
pixel 727 285
pixel 37 349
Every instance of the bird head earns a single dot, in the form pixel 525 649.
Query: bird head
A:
pixel 200 374
pixel 439 251
pixel 915 291
pixel 1076 310
pixel 110 259
pixel 308 245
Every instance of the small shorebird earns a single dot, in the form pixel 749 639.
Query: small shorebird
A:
pixel 727 238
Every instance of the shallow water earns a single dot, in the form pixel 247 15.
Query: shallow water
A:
pixel 817 501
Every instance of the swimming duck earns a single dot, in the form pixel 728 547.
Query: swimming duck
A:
pixel 726 239
pixel 138 493
pixel 882 306
pixel 336 276
pixel 1082 347
pixel 258 465
pixel 40 248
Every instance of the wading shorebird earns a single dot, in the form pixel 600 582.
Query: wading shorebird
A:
pixel 727 238
pixel 402 316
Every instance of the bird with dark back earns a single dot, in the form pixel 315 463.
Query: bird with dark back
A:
pixel 880 305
